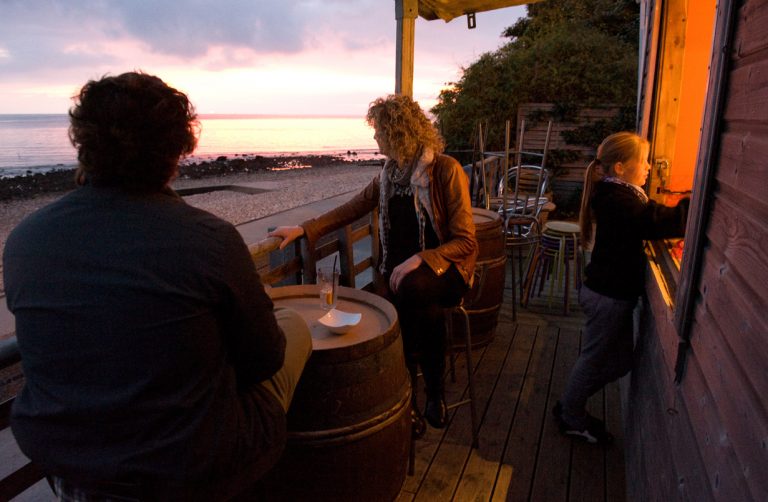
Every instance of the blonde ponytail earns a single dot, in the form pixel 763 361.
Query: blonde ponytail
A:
pixel 592 175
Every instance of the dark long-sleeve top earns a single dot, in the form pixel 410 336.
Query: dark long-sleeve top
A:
pixel 446 191
pixel 143 327
pixel 624 221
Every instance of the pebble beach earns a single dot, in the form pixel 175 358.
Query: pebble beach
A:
pixel 288 187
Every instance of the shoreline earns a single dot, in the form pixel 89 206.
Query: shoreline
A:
pixel 56 180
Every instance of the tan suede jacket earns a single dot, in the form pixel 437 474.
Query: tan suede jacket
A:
pixel 451 210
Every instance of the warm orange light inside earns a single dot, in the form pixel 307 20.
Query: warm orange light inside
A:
pixel 695 76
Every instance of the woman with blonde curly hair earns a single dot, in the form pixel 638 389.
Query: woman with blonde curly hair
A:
pixel 428 245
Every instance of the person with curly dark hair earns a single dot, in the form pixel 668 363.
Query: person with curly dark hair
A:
pixel 428 242
pixel 131 131
pixel 156 366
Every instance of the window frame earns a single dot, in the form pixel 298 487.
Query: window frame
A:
pixel 704 181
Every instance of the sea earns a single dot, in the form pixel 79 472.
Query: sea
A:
pixel 31 143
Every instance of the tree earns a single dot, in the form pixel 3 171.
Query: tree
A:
pixel 573 53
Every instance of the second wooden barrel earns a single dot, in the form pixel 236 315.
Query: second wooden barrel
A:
pixel 483 300
pixel 349 422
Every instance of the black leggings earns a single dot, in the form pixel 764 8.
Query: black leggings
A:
pixel 419 302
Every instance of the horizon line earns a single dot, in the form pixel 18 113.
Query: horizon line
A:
pixel 228 115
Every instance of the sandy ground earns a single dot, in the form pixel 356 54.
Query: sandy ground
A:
pixel 288 189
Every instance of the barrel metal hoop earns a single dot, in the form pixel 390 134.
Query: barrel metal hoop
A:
pixel 340 435
pixel 486 310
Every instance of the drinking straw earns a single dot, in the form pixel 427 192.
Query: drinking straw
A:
pixel 333 276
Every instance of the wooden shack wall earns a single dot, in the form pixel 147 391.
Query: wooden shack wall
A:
pixel 569 178
pixel 706 438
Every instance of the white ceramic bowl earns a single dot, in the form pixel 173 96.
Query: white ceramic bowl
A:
pixel 339 322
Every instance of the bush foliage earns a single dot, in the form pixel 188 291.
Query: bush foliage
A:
pixel 573 53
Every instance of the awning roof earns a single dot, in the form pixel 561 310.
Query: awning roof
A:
pixel 449 9
pixel 406 12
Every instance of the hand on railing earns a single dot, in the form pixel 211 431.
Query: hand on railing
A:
pixel 263 247
pixel 288 234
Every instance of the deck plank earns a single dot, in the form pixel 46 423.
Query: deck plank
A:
pixel 553 465
pixel 525 433
pixel 456 447
pixel 588 463
pixel 477 480
pixel 481 472
pixel 587 482
pixel 616 477
pixel 428 446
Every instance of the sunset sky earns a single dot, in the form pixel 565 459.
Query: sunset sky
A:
pixel 306 57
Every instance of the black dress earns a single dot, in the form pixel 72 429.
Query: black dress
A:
pixel 422 294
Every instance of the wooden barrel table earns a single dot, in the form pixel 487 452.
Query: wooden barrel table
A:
pixel 349 422
pixel 483 300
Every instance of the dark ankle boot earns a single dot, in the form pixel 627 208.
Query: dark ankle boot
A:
pixel 418 425
pixel 433 368
pixel 436 412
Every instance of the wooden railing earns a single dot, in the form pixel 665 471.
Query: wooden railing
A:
pixel 26 474
pixel 298 262
pixel 294 265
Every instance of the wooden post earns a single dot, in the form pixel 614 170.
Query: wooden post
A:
pixel 375 241
pixel 406 12
pixel 346 257
pixel 308 261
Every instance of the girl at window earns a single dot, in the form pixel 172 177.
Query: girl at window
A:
pixel 616 217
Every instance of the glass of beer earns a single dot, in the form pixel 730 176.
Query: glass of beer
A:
pixel 328 280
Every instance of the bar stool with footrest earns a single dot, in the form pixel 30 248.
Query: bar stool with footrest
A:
pixel 558 259
pixel 419 427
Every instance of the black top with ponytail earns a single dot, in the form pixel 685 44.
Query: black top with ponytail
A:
pixel 592 175
pixel 618 147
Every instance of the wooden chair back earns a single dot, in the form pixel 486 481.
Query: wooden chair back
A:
pixel 522 186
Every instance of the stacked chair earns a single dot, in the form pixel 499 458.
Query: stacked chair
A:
pixel 520 199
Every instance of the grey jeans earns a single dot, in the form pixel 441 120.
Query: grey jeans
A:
pixel 606 348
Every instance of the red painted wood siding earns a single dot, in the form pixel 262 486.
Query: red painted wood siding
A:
pixel 707 438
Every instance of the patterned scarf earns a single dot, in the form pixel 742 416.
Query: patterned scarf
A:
pixel 411 180
pixel 636 189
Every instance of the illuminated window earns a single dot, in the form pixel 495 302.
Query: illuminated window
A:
pixel 676 72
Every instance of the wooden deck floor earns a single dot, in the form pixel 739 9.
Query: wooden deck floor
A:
pixel 522 456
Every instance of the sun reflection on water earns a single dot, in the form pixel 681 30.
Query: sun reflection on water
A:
pixel 221 135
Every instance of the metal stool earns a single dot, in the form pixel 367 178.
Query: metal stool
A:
pixel 557 256
pixel 521 232
pixel 449 312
